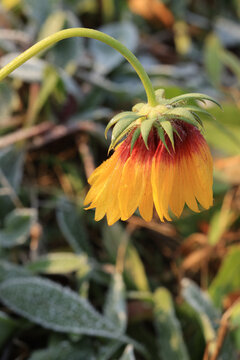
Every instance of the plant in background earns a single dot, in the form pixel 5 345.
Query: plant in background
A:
pixel 161 157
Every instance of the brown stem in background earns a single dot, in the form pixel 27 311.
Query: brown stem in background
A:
pixel 24 134
pixel 85 153
pixel 222 331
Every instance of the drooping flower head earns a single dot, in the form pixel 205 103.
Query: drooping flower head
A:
pixel 163 161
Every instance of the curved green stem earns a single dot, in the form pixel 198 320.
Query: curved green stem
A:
pixel 89 33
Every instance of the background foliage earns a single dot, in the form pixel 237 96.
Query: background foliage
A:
pixel 71 288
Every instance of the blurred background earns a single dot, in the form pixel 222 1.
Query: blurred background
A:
pixel 137 290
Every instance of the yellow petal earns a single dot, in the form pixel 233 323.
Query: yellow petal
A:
pixel 130 187
pixel 177 200
pixel 189 186
pixel 201 165
pixel 103 202
pixel 112 209
pixel 146 201
pixel 162 182
pixel 104 182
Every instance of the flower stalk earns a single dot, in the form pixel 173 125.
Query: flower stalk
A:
pixel 88 33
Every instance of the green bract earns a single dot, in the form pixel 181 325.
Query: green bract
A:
pixel 144 117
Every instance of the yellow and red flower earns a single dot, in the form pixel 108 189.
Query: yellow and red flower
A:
pixel 148 169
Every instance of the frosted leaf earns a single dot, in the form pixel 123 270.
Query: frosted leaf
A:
pixel 115 307
pixel 11 164
pixel 210 318
pixel 55 307
pixel 170 340
pixel 71 225
pixel 17 226
pixel 10 271
pixel 64 351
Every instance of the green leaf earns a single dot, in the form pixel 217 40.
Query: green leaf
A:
pixel 107 351
pixel 11 271
pixel 212 59
pixel 121 116
pixel 170 339
pixel 38 11
pixel 224 132
pixel 49 83
pixel 7 327
pixel 64 351
pixel 235 321
pixel 200 301
pixel 54 307
pixel 70 220
pixel 231 61
pixel 220 222
pixel 227 279
pixel 134 271
pixel 17 227
pixel 53 23
pixel 146 127
pixel 11 165
pixel 74 46
pixel 167 126
pixel 192 96
pixel 115 306
pixel 8 98
pixel 56 21
pixel 128 353
pixel 210 318
pixel 135 136
pixel 61 263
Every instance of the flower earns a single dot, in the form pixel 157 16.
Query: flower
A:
pixel 161 163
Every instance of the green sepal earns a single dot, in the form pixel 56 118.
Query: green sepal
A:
pixel 182 114
pixel 177 133
pixel 118 117
pixel 161 135
pixel 146 127
pixel 192 96
pixel 137 107
pixel 167 126
pixel 116 140
pixel 160 97
pixel 194 108
pixel 135 136
pixel 197 117
pixel 120 126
